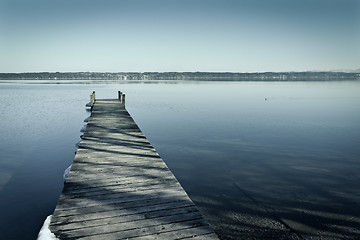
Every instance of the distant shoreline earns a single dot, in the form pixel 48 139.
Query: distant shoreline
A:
pixel 209 76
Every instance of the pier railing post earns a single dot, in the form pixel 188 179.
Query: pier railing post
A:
pixel 92 100
pixel 121 97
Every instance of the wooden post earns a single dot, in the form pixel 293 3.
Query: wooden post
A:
pixel 92 100
pixel 123 99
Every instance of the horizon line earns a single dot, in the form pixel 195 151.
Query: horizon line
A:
pixel 233 72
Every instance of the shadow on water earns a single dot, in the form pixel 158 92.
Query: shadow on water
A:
pixel 266 200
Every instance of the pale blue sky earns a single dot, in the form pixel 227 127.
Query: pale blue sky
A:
pixel 179 35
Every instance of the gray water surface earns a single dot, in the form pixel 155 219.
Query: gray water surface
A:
pixel 261 160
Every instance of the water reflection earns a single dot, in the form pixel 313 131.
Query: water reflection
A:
pixel 284 168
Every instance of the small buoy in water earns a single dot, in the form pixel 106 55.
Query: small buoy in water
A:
pixel 265 99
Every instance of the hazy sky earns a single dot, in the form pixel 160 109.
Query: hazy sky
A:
pixel 179 35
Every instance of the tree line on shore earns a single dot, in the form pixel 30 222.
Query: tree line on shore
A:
pixel 215 76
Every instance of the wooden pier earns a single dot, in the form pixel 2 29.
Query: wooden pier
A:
pixel 120 188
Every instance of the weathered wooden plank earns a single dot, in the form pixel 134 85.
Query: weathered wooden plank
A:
pixel 120 188
pixel 202 232
pixel 70 203
pixel 106 186
pixel 171 231
pixel 125 223
pixel 126 162
pixel 207 236
pixel 85 169
pixel 134 187
pixel 117 206
pixel 147 173
pixel 122 212
pixel 121 179
pixel 120 139
pixel 121 192
pixel 84 166
pixel 123 160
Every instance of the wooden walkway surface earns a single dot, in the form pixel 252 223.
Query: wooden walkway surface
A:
pixel 120 188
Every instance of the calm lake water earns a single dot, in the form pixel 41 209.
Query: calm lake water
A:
pixel 261 160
